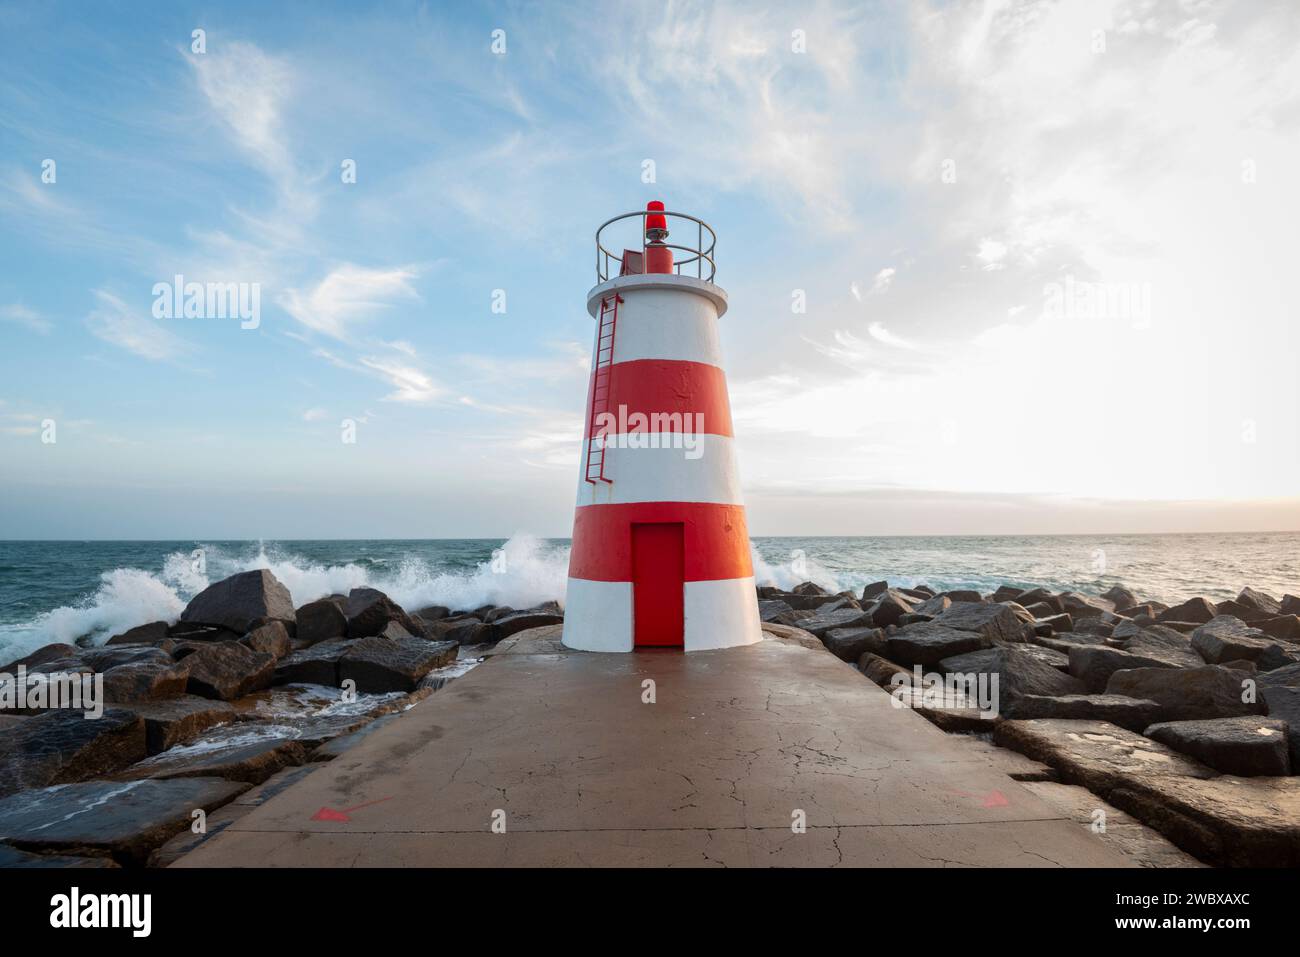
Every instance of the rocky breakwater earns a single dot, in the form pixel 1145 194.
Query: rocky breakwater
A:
pixel 216 711
pixel 1186 716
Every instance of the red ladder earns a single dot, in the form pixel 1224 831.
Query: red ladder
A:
pixel 600 387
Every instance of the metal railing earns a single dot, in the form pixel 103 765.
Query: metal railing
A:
pixel 700 255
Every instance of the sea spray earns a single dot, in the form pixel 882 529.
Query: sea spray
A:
pixel 522 572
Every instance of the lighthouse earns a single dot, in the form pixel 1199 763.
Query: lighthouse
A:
pixel 660 554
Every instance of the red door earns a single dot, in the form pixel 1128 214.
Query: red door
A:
pixel 658 584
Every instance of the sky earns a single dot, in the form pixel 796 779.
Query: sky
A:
pixel 993 267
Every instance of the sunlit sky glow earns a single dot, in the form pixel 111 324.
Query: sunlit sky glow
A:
pixel 945 183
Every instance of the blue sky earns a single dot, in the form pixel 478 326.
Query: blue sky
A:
pixel 931 177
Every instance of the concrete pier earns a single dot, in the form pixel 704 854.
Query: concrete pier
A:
pixel 562 749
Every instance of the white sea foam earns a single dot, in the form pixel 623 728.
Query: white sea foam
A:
pixel 799 569
pixel 528 572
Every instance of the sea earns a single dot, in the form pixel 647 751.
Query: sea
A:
pixel 68 591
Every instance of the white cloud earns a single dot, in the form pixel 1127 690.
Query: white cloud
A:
pixel 21 315
pixel 410 383
pixel 139 333
pixel 348 297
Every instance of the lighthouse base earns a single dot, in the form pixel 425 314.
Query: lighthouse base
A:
pixel 601 616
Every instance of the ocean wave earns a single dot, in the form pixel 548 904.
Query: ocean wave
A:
pixel 524 572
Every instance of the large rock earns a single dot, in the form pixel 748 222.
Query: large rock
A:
pixel 228 670
pixel 1290 605
pixel 889 607
pixel 1120 597
pixel 251 762
pixel 850 644
pixel 1162 644
pixel 1224 639
pixel 1260 601
pixel 1249 746
pixel 370 611
pixel 317 665
pixel 997 622
pixel 141 634
pixel 180 720
pixel 1021 671
pixel 1094 664
pixel 508 625
pixel 928 643
pixel 241 602
pixel 819 624
pixel 381 664
pixel 883 671
pixel 145 681
pixel 1134 714
pixel 61 747
pixel 772 608
pixel 43 655
pixel 1283 627
pixel 1081 606
pixel 1224 820
pixel 1280 692
pixel 469 631
pixel 1187 694
pixel 108 818
pixel 1199 610
pixel 321 620
pixel 106 658
pixel 272 639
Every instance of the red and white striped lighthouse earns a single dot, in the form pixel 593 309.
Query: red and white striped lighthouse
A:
pixel 660 548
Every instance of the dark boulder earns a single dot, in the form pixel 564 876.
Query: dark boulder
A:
pixel 109 819
pixel 809 588
pixel 46 653
pixel 251 762
pixel 1021 671
pixel 1163 644
pixel 887 608
pixel 60 747
pixel 470 631
pixel 511 624
pixel 1120 597
pixel 321 620
pixel 380 664
pixel 1081 606
pixel 929 643
pixel 179 720
pixel 1132 713
pixel 883 671
pixel 145 681
pixel 1224 639
pixel 272 639
pixel 770 609
pixel 317 665
pixel 1284 628
pixel 996 622
pixel 241 602
pixel 228 670
pixel 1095 664
pixel 1198 610
pixel 370 611
pixel 819 624
pixel 850 644
pixel 1188 694
pixel 141 634
pixel 433 612
pixel 1248 746
pixel 1260 602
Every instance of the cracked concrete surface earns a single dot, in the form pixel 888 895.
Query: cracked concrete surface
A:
pixel 737 743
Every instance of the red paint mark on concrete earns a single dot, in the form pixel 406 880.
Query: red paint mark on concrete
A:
pixel 329 814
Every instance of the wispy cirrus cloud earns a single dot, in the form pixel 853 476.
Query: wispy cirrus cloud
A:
pixel 349 297
pixel 118 324
pixel 20 315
